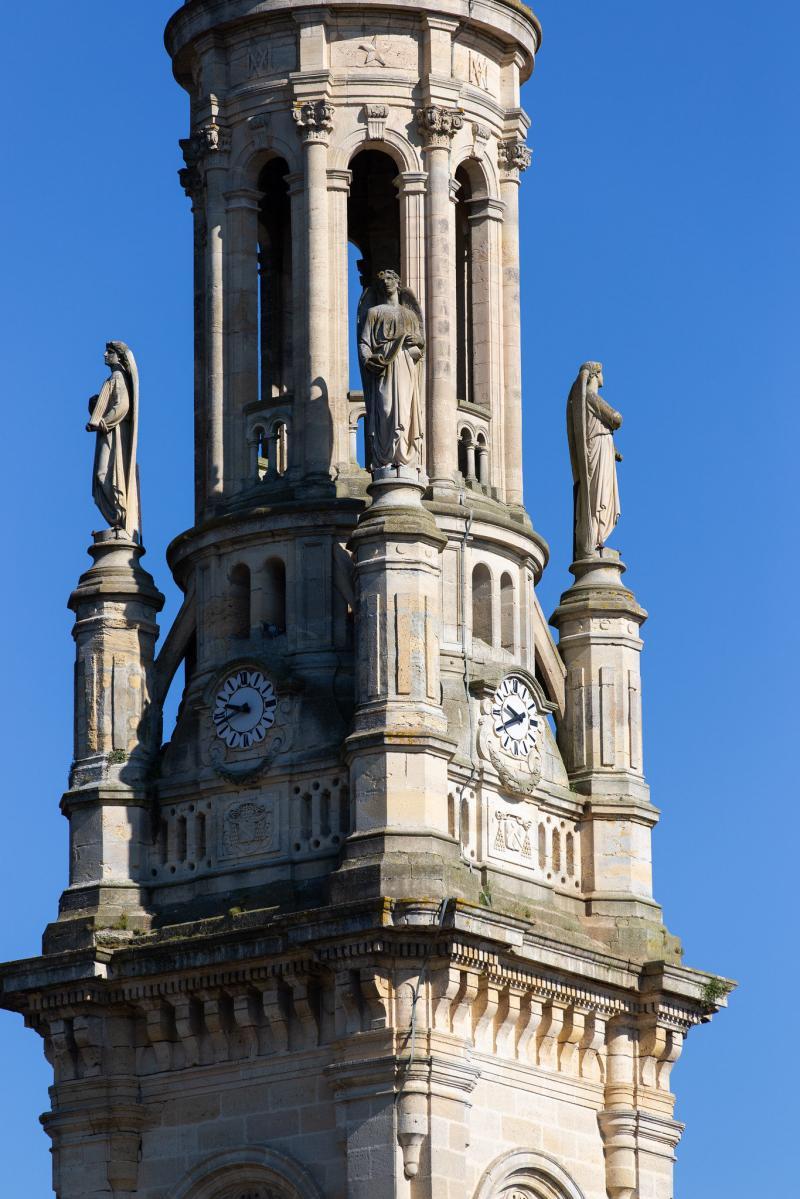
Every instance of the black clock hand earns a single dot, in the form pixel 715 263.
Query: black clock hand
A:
pixel 516 718
pixel 237 707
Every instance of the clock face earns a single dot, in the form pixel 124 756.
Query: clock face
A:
pixel 244 708
pixel 516 721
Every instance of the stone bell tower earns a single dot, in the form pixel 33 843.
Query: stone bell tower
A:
pixel 376 918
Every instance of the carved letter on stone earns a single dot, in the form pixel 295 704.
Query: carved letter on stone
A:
pixel 478 70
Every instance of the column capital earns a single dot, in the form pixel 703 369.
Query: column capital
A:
pixel 485 208
pixel 411 183
pixel 438 125
pixel 513 156
pixel 243 197
pixel 314 120
pixel 339 180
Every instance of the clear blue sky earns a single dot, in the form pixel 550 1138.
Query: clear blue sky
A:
pixel 660 235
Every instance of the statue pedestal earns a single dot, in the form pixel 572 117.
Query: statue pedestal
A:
pixel 600 737
pixel 399 751
pixel 117 737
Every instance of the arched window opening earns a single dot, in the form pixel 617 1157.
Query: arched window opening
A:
pixel 274 597
pixel 259 453
pixel 240 601
pixel 482 460
pixel 361 442
pixel 466 455
pixel 373 231
pixel 279 458
pixel 465 339
pixel 373 214
pixel 507 613
pixel 482 603
pixel 275 315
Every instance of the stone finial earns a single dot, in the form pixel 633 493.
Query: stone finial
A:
pixel 514 155
pixel 314 120
pixel 438 125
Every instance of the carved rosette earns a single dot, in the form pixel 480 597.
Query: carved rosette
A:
pixel 514 155
pixel 376 116
pixel 314 120
pixel 438 125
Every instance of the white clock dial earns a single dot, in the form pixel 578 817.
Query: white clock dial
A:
pixel 516 720
pixel 244 708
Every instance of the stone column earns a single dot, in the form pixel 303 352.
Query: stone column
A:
pixel 242 368
pixel 437 126
pixel 618 1119
pixel 295 182
pixel 514 157
pixel 600 736
pixel 117 735
pixel 314 119
pixel 193 185
pixel 339 316
pixel 212 144
pixel 411 187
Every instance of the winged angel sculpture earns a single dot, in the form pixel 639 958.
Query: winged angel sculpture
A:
pixel 114 417
pixel 590 431
pixel 391 344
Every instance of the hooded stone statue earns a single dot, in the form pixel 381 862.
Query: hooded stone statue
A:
pixel 114 417
pixel 590 432
pixel 391 344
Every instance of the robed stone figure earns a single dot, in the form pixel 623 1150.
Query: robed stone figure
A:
pixel 590 431
pixel 114 418
pixel 391 345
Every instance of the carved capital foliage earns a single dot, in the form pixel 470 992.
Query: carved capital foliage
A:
pixel 514 155
pixel 438 125
pixel 198 150
pixel 314 120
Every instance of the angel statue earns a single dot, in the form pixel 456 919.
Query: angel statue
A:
pixel 590 431
pixel 114 417
pixel 391 344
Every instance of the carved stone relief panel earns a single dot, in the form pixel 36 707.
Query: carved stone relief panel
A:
pixel 511 835
pixel 263 58
pixel 249 827
pixel 392 47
